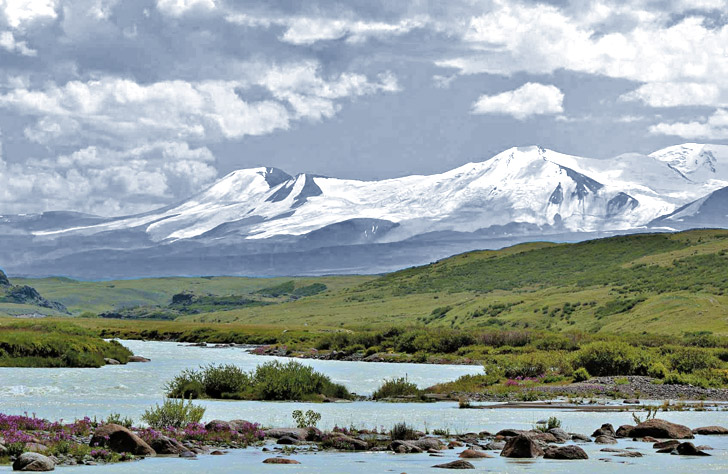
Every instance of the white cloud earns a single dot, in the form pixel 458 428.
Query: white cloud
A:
pixel 113 110
pixel 106 181
pixel 303 30
pixel 714 127
pixel 20 13
pixel 618 40
pixel 673 94
pixel 9 43
pixel 528 100
pixel 177 8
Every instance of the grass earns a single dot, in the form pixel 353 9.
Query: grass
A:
pixel 396 387
pixel 30 344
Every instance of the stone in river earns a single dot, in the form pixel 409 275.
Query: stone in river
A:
pixel 662 429
pixel 521 446
pixel 280 461
pixel 120 439
pixel 33 462
pixel 565 452
pixel 473 454
pixel 459 464
pixel 711 430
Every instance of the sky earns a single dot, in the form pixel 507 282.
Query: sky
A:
pixel 115 107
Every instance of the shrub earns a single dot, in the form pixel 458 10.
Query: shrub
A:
pixel 402 431
pixel 174 413
pixel 687 360
pixel 188 384
pixel 581 375
pixel 612 358
pixel 223 381
pixel 307 420
pixel 396 387
pixel 116 419
pixel 657 370
pixel 549 424
pixel 535 364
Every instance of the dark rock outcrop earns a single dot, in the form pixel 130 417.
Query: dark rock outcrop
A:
pixel 166 445
pixel 522 446
pixel 459 464
pixel 120 439
pixel 605 430
pixel 565 452
pixel 474 454
pixel 280 461
pixel 661 429
pixel 625 431
pixel 604 439
pixel 33 462
pixel 711 430
pixel 688 449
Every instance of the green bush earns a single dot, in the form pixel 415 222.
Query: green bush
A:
pixel 657 370
pixel 221 381
pixel 396 387
pixel 581 375
pixel 402 431
pixel 688 359
pixel 612 358
pixel 175 413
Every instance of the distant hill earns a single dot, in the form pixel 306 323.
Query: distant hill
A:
pixel 15 299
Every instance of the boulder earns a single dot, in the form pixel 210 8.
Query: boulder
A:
pixel 239 425
pixel 166 445
pixel 280 461
pixel 459 464
pixel 541 436
pixel 343 442
pixel 580 438
pixel 298 433
pixel 404 447
pixel 688 449
pixel 629 454
pixel 495 446
pixel 662 429
pixel 454 444
pixel 625 431
pixel 521 446
pixel 473 454
pixel 605 430
pixel 603 439
pixel 218 425
pixel 217 452
pixel 509 433
pixel 110 361
pixel 560 435
pixel 287 440
pixel 565 452
pixel 138 359
pixel 428 443
pixel 711 430
pixel 672 443
pixel 188 454
pixel 33 462
pixel 119 439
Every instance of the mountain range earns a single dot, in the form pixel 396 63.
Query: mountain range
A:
pixel 264 222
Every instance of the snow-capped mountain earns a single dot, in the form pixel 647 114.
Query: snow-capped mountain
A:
pixel 264 213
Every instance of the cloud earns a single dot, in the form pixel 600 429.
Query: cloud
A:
pixel 714 127
pixel 672 51
pixel 20 13
pixel 528 100
pixel 105 181
pixel 113 110
pixel 673 94
pixel 177 8
pixel 307 30
pixel 10 44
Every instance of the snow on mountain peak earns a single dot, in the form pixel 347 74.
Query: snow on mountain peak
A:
pixel 695 161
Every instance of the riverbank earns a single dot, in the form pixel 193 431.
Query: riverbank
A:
pixel 46 444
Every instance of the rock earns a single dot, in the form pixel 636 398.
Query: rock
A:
pixel 239 425
pixel 428 443
pixel 218 425
pixel 34 462
pixel 666 444
pixel 662 429
pixel 139 359
pixel 298 433
pixel 541 436
pixel 509 433
pixel 110 361
pixel 495 446
pixel 603 439
pixel 631 401
pixel 629 454
pixel 280 461
pixel 484 434
pixel 704 447
pixel 459 464
pixel 314 434
pixel 605 430
pixel 565 452
pixel 119 439
pixel 688 449
pixel 217 453
pixel 187 454
pixel 287 440
pixel 343 442
pixel 580 438
pixel 521 446
pixel 473 454
pixel 404 447
pixel 560 435
pixel 625 431
pixel 454 444
pixel 711 430
pixel 166 445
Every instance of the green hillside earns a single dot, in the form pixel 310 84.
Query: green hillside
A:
pixel 659 283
